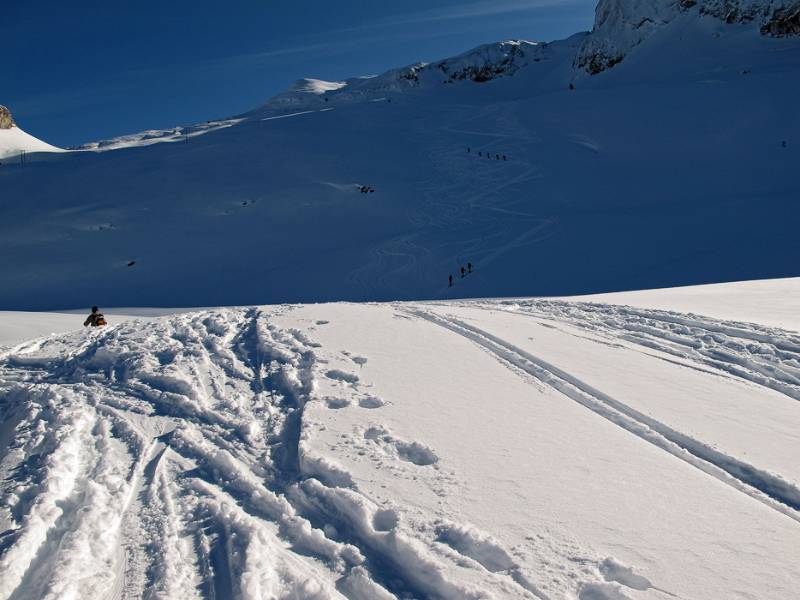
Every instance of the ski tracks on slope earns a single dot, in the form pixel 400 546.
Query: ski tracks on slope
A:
pixel 171 459
pixel 765 487
pixel 760 355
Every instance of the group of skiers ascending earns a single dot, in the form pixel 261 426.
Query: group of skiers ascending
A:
pixel 464 272
pixel 488 154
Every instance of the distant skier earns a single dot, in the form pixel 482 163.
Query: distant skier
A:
pixel 451 281
pixel 469 150
pixel 783 144
pixel 469 267
pixel 96 319
pixel 463 272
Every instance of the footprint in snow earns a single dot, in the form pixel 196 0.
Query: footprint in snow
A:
pixel 337 403
pixel 371 402
pixel 413 452
pixel 339 375
pixel 601 591
pixel 619 573
pixel 616 575
pixel 477 545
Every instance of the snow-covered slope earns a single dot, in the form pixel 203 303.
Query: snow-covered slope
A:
pixel 15 141
pixel 487 449
pixel 621 25
pixel 676 167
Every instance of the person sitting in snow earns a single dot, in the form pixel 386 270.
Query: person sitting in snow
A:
pixel 96 319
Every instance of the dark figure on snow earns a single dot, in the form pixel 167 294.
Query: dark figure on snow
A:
pixel 497 156
pixel 96 319
pixel 504 156
pixel 469 150
pixel 480 153
pixel 469 267
pixel 783 143
pixel 463 272
pixel 451 281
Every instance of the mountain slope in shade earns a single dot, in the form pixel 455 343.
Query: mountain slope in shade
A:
pixel 676 167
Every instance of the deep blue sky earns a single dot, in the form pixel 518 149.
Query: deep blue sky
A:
pixel 80 71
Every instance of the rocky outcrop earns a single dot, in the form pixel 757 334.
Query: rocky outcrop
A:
pixel 784 21
pixel 491 61
pixel 621 25
pixel 6 120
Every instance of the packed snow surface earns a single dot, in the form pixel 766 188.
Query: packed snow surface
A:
pixel 526 448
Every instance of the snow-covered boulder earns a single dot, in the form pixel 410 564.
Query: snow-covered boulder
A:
pixel 621 25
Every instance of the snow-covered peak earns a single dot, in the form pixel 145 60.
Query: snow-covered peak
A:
pixel 479 65
pixel 621 25
pixel 14 141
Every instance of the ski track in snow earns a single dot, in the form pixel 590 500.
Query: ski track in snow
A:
pixel 175 459
pixel 171 459
pixel 755 354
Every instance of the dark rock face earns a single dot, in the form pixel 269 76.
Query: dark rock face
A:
pixel 783 22
pixel 6 120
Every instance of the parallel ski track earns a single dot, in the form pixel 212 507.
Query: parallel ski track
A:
pixel 759 485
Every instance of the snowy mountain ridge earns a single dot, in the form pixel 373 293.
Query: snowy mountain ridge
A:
pixel 620 25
